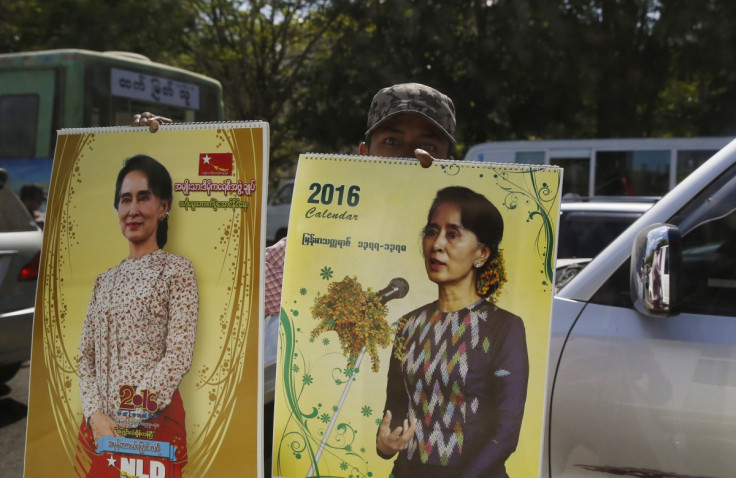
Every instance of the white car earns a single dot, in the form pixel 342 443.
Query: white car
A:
pixel 20 252
pixel 642 372
pixel 278 212
pixel 586 227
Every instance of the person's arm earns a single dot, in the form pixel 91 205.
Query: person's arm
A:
pixel 183 307
pixel 89 393
pixel 510 369
pixel 274 277
pixel 395 431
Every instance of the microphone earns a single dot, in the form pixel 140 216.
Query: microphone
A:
pixel 396 289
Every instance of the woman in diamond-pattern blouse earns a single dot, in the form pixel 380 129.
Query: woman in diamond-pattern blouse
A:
pixel 458 374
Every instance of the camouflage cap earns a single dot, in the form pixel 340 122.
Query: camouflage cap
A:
pixel 413 98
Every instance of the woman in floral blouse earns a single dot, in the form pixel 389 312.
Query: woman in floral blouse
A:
pixel 458 375
pixel 138 335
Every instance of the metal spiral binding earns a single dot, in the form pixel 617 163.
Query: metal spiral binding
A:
pixel 436 162
pixel 165 126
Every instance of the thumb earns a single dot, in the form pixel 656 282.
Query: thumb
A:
pixel 387 418
pixel 425 159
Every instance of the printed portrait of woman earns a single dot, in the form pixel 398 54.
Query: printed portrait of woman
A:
pixel 139 331
pixel 457 380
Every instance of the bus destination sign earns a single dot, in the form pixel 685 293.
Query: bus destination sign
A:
pixel 155 89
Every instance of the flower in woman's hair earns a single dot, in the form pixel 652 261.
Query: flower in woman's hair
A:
pixel 491 278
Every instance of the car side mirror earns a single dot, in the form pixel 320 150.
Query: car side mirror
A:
pixel 656 260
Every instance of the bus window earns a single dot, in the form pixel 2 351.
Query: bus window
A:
pixel 689 160
pixel 632 173
pixel 33 88
pixel 576 179
pixel 18 125
pixel 609 166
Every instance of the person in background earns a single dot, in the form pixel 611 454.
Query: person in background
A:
pixel 33 197
pixel 404 121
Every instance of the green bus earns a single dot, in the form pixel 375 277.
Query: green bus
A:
pixel 43 91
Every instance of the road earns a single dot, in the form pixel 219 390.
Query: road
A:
pixel 13 411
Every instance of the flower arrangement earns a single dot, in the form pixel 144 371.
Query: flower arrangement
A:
pixel 358 317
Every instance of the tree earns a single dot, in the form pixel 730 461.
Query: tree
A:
pixel 700 91
pixel 262 52
pixel 153 28
pixel 516 69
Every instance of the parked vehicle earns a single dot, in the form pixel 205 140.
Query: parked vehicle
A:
pixel 278 212
pixel 20 252
pixel 586 227
pixel 43 91
pixel 609 167
pixel 642 373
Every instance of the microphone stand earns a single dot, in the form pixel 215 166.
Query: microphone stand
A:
pixel 397 288
pixel 334 416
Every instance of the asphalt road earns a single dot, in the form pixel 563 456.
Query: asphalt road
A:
pixel 13 411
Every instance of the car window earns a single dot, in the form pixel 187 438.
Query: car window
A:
pixel 283 196
pixel 708 281
pixel 585 234
pixel 14 216
pixel 708 278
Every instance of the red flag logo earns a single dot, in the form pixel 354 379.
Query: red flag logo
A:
pixel 215 164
